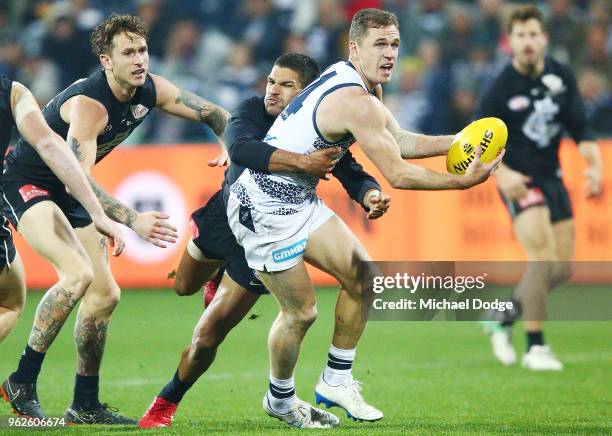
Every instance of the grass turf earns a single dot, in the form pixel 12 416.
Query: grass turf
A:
pixel 427 377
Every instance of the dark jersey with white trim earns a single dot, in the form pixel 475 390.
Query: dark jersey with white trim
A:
pixel 123 118
pixel 537 112
pixel 6 114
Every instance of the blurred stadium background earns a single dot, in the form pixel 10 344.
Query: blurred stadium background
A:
pixel 444 379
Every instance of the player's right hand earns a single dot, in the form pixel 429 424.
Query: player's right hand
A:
pixel 321 162
pixel 478 171
pixel 153 227
pixel 112 232
pixel 512 184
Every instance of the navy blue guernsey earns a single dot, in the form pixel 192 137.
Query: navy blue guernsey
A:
pixel 6 114
pixel 123 118
pixel 537 111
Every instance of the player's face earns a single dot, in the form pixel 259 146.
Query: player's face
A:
pixel 129 59
pixel 528 42
pixel 282 85
pixel 377 53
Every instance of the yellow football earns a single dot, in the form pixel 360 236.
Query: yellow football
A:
pixel 489 133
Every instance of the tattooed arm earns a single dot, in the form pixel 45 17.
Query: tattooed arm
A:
pixel 190 106
pixel 87 118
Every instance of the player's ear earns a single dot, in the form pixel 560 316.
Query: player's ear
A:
pixel 353 49
pixel 106 61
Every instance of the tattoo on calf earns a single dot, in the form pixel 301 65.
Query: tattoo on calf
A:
pixel 51 314
pixel 208 113
pixel 90 338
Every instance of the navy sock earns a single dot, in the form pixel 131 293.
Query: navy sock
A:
pixel 29 366
pixel 534 338
pixel 86 389
pixel 175 390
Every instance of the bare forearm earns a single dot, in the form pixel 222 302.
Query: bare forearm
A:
pixel 282 160
pixel 419 178
pixel 416 146
pixel 113 208
pixel 590 152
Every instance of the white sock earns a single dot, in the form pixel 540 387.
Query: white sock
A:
pixel 339 366
pixel 281 394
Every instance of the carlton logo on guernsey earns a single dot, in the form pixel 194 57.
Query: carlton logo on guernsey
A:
pixel 296 130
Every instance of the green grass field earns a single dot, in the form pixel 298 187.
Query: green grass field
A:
pixel 427 377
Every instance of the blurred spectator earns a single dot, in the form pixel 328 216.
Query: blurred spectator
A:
pixel 437 86
pixel 595 53
pixel 238 78
pixel 462 107
pixel 422 19
pixel 68 47
pixel 488 28
pixel 458 38
pixel 295 43
pixel 598 101
pixel 566 26
pixel 42 77
pixel 86 16
pixel 151 13
pixel 11 56
pixel 180 65
pixel 409 103
pixel 326 40
pixel 261 25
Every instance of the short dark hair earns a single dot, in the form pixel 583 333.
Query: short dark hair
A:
pixel 307 68
pixel 524 13
pixel 371 17
pixel 102 36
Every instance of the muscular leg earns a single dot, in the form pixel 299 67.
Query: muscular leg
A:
pixel 98 303
pixel 47 230
pixel 230 306
pixel 295 295
pixel 342 257
pixel 12 295
pixel 565 242
pixel 535 233
pixel 194 270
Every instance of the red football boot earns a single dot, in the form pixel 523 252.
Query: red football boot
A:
pixel 210 288
pixel 159 414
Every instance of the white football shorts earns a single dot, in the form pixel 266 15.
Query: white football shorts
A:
pixel 274 242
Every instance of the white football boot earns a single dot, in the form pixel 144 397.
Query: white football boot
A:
pixel 541 358
pixel 501 342
pixel 347 396
pixel 303 415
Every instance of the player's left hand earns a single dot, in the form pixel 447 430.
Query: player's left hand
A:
pixel 377 202
pixel 593 181
pixel 220 161
pixel 153 227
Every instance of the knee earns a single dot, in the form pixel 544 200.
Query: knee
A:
pixel 304 317
pixel 103 301
pixel 562 272
pixel 78 280
pixel 111 298
pixel 182 288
